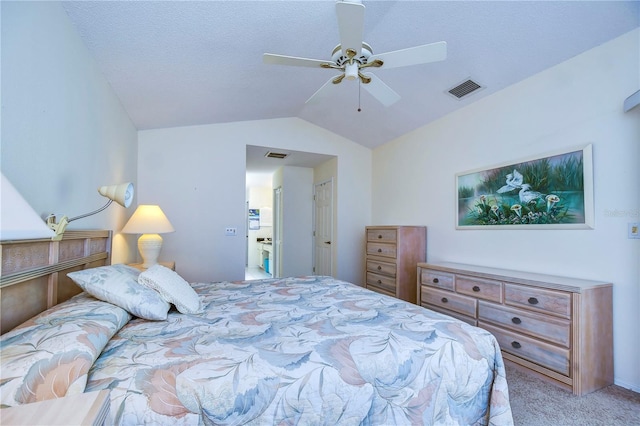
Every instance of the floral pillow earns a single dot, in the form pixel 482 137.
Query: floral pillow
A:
pixel 50 355
pixel 118 284
pixel 172 287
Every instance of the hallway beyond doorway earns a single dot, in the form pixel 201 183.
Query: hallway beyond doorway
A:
pixel 255 273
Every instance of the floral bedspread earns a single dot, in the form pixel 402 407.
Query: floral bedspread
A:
pixel 308 351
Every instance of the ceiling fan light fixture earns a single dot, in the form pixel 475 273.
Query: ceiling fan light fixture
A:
pixel 351 71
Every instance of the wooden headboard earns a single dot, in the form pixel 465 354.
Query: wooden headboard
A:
pixel 33 272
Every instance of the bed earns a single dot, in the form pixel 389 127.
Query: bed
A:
pixel 296 350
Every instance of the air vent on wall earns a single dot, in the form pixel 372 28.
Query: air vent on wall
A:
pixel 465 88
pixel 278 155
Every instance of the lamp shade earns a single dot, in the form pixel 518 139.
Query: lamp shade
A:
pixel 121 194
pixel 18 220
pixel 148 219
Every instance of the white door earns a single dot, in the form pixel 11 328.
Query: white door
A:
pixel 323 228
pixel 276 268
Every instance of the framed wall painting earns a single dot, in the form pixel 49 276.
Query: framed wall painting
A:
pixel 254 219
pixel 554 191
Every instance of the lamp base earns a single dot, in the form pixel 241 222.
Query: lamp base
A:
pixel 149 246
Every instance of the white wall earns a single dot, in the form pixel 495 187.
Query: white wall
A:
pixel 197 175
pixel 572 104
pixel 64 132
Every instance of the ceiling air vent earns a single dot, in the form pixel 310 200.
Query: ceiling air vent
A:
pixel 465 88
pixel 278 155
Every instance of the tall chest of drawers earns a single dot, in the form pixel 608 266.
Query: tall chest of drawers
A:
pixel 560 328
pixel 391 256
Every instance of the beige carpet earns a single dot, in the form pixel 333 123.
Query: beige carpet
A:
pixel 536 403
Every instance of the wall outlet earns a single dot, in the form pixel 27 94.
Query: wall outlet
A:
pixel 634 230
pixel 230 232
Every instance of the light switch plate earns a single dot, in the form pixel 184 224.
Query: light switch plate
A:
pixel 230 232
pixel 634 230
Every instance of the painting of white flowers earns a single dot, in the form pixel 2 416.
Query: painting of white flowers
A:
pixel 550 192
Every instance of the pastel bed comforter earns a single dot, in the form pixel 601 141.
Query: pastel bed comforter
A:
pixel 307 350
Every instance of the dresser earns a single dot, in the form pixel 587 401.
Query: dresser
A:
pixel 391 256
pixel 559 328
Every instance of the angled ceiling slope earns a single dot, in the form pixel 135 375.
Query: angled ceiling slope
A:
pixel 206 57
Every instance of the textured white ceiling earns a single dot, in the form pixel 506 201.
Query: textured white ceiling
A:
pixel 178 63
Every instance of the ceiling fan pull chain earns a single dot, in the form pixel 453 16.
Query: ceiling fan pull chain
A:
pixel 359 85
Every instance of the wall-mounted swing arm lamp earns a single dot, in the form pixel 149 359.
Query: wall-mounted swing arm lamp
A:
pixel 121 194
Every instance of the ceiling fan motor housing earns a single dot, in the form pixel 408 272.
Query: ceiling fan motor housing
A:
pixel 340 58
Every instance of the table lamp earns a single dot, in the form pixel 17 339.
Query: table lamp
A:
pixel 150 221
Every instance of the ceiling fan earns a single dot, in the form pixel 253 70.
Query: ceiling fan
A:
pixel 353 56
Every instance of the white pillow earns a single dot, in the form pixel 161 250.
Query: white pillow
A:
pixel 172 287
pixel 118 284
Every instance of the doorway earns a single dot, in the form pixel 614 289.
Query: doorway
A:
pixel 261 165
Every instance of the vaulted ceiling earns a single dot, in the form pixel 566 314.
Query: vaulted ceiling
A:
pixel 180 63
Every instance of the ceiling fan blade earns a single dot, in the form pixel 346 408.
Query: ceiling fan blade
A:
pixel 271 58
pixel 350 24
pixel 413 55
pixel 322 92
pixel 383 93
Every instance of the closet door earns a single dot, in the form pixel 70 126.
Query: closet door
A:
pixel 323 228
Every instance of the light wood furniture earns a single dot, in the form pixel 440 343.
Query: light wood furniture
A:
pixel 557 327
pixel 392 253
pixel 171 265
pixel 90 408
pixel 33 272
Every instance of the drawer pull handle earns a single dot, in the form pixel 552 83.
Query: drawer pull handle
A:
pixel 379 236
pixel 533 300
pixel 379 268
pixel 436 281
pixel 444 300
pixel 379 282
pixel 379 250
pixel 516 345
pixel 516 320
pixel 475 288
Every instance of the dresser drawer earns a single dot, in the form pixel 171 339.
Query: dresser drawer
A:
pixel 480 288
pixel 380 281
pixel 552 329
pixel 381 290
pixel 382 235
pixel 468 320
pixel 437 279
pixel 383 268
pixel 545 354
pixel 381 249
pixel 449 301
pixel 547 301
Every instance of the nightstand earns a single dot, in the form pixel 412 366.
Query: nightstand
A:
pixel 90 408
pixel 170 265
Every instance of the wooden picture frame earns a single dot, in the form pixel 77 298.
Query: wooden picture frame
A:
pixel 554 191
